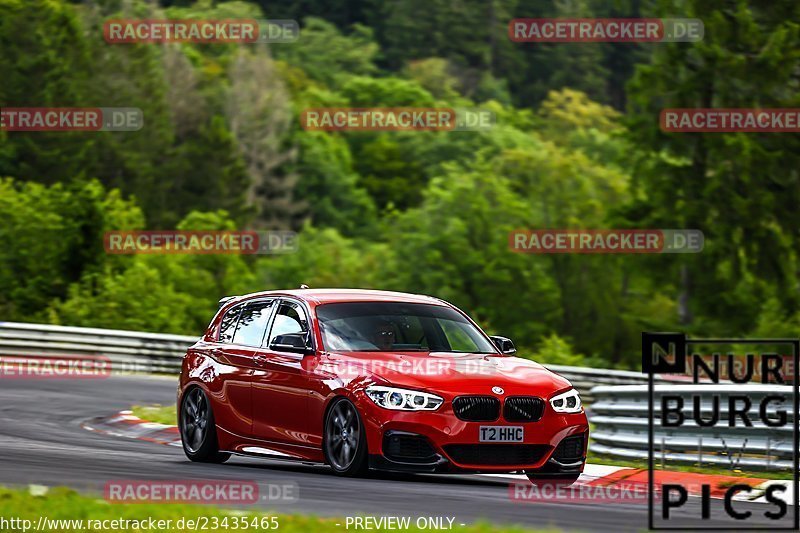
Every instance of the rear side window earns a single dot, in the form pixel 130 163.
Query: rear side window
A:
pixel 253 323
pixel 228 324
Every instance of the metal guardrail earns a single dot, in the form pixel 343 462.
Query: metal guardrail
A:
pixel 585 379
pixel 620 417
pixel 129 351
pixel 162 353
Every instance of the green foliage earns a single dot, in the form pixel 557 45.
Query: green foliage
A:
pixel 775 322
pixel 557 351
pixel 49 236
pixel 741 189
pixel 429 212
pixel 160 414
pixel 54 55
pixel 45 62
pixel 385 92
pixel 388 173
pixel 326 259
pixel 434 75
pixel 139 298
pixel 330 57
pixel 209 174
pixel 330 184
pixel 455 246
pixel 159 293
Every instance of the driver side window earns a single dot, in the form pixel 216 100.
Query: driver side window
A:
pixel 290 318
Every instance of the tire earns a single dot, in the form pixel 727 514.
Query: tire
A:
pixel 345 441
pixel 556 481
pixel 198 429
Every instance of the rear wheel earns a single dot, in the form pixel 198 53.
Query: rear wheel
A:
pixel 198 429
pixel 345 443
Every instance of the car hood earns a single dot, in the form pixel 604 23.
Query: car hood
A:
pixel 451 374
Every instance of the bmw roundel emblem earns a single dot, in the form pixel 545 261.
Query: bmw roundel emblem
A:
pixel 498 390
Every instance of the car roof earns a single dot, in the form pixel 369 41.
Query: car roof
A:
pixel 323 296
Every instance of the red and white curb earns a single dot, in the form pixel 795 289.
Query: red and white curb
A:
pixel 125 424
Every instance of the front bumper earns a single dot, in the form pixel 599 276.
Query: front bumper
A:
pixel 454 445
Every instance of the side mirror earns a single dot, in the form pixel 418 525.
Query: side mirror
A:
pixel 291 342
pixel 504 344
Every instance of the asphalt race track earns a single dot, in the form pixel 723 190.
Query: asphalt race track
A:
pixel 42 443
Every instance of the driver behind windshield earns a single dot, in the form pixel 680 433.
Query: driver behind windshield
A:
pixel 383 337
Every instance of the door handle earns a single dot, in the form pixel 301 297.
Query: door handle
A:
pixel 260 360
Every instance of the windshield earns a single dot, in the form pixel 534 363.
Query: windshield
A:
pixel 398 327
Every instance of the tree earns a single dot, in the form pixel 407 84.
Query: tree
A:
pixel 45 62
pixel 455 246
pixel 325 258
pixel 259 115
pixel 741 189
pixel 327 56
pixel 329 185
pixel 207 173
pixel 51 236
pixel 171 293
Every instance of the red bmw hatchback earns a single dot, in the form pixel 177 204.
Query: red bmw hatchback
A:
pixel 362 379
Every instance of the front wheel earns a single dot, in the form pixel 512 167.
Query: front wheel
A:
pixel 345 443
pixel 198 429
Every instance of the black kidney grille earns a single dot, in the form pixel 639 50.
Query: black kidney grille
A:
pixel 476 408
pixel 496 454
pixel 569 449
pixel 523 408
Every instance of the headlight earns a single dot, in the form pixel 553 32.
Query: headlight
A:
pixel 403 399
pixel 567 402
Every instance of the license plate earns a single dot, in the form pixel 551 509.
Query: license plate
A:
pixel 502 434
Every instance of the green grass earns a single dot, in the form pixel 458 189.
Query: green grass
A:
pixel 163 414
pixel 66 505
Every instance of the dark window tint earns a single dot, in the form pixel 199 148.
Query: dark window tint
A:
pixel 228 324
pixel 398 327
pixel 253 323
